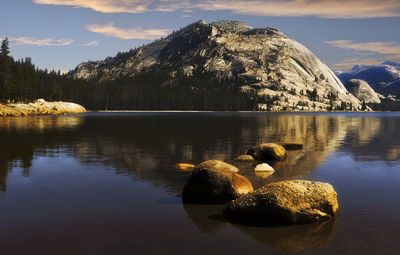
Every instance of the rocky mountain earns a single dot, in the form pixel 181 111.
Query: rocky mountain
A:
pixel 362 91
pixel 260 60
pixel 383 78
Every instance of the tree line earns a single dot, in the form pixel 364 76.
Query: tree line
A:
pixel 151 89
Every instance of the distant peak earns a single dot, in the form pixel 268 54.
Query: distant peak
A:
pixel 231 26
pixel 203 22
pixel 391 63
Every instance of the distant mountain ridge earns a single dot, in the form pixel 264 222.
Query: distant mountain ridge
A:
pixel 260 60
pixel 383 78
pixel 363 92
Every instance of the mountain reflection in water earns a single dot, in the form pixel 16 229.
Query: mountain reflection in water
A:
pixel 122 172
pixel 147 145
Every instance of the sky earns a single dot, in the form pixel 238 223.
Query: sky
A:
pixel 60 34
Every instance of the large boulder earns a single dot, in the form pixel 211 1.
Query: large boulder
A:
pixel 267 151
pixel 287 202
pixel 214 181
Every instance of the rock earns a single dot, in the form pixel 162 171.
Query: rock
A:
pixel 292 145
pixel 267 151
pixel 264 170
pixel 217 165
pixel 40 107
pixel 264 167
pixel 184 166
pixel 287 202
pixel 214 181
pixel 244 158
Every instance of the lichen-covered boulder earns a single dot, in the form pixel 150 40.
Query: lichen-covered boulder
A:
pixel 217 165
pixel 267 151
pixel 214 181
pixel 244 158
pixel 287 202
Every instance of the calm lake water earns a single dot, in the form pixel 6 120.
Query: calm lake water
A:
pixel 103 183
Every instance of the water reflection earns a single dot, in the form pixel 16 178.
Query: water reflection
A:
pixel 293 238
pixel 23 138
pixel 146 146
pixel 207 218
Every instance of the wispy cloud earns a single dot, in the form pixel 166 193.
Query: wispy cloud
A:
pixel 137 33
pixel 375 47
pixel 41 42
pixel 47 41
pixel 367 53
pixel 91 43
pixel 341 9
pixel 116 6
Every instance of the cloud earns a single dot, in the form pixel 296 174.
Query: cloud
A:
pixel 374 47
pixel 116 6
pixel 41 42
pixel 340 9
pixel 91 43
pixel 47 41
pixel 367 53
pixel 110 30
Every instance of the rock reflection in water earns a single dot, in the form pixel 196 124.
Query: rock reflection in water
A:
pixel 207 218
pixel 287 238
pixel 293 238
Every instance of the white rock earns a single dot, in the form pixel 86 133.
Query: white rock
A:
pixel 264 167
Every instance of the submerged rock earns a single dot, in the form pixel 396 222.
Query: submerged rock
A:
pixel 244 158
pixel 292 146
pixel 267 151
pixel 184 166
pixel 287 202
pixel 214 181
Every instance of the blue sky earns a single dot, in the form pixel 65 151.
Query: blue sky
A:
pixel 60 34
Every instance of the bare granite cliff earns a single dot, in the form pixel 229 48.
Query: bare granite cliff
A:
pixel 260 60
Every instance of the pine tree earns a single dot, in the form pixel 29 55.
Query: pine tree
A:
pixel 5 49
pixel 4 69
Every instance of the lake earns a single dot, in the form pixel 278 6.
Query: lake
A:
pixel 104 183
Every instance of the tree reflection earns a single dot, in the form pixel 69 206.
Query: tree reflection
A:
pixel 147 145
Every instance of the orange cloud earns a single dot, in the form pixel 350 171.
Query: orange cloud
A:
pixel 341 9
pixel 110 30
pixel 392 48
pixel 364 52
